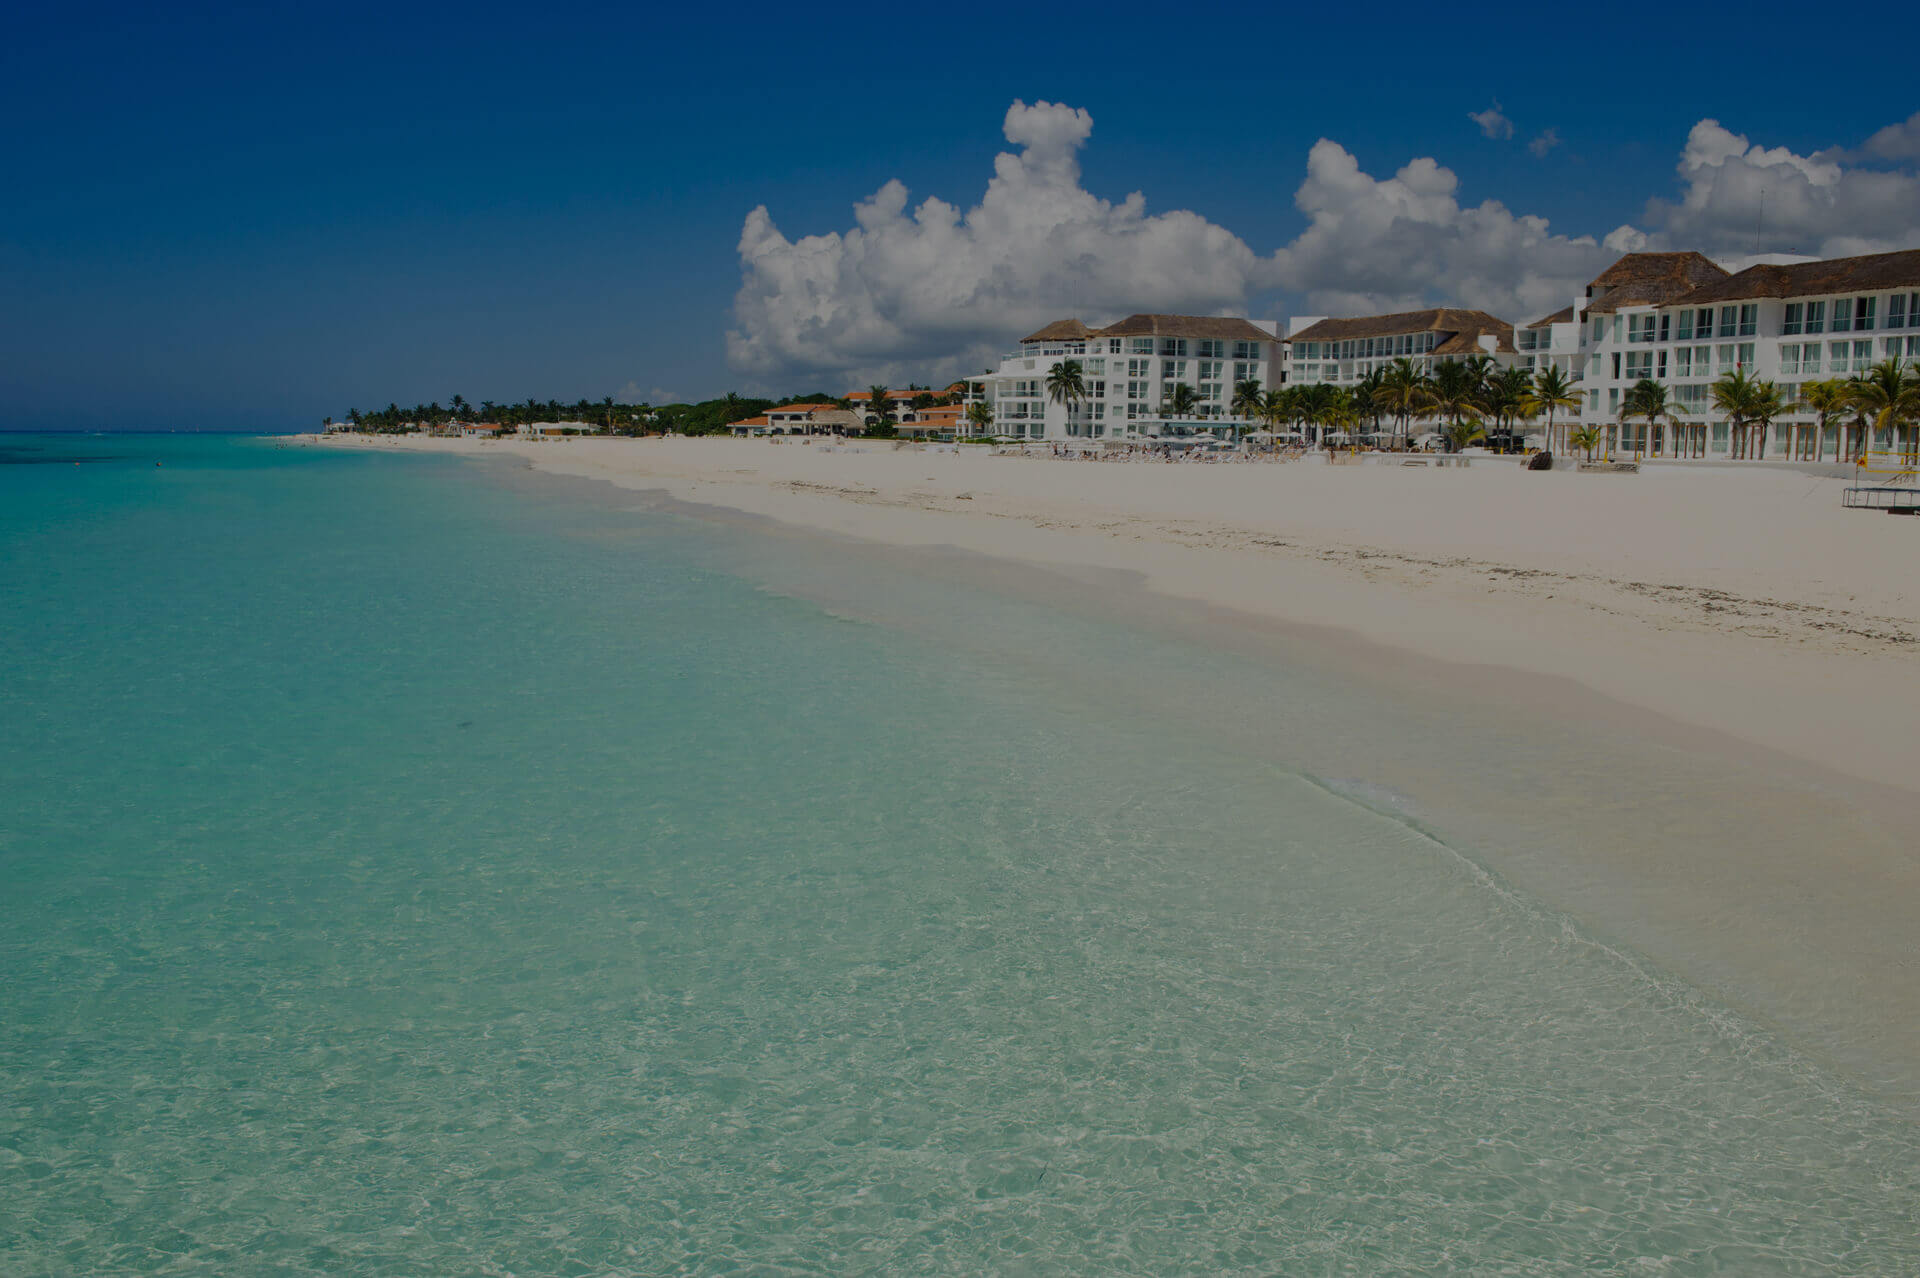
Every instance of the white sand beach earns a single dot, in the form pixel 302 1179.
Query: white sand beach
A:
pixel 1710 612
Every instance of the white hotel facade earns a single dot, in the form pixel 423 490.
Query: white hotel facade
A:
pixel 1129 370
pixel 1684 322
pixel 1679 319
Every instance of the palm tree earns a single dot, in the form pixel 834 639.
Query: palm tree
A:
pixel 1066 386
pixel 1506 395
pixel 1181 401
pixel 1586 438
pixel 1315 406
pixel 1248 400
pixel 880 405
pixel 1402 391
pixel 1339 413
pixel 1367 399
pixel 1276 406
pixel 1768 403
pixel 1455 392
pixel 1888 395
pixel 1648 399
pixel 1460 433
pixel 1551 391
pixel 980 416
pixel 1825 400
pixel 1734 394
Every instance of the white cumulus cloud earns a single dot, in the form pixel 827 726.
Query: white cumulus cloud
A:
pixel 1400 243
pixel 1493 121
pixel 930 291
pixel 936 291
pixel 1739 198
pixel 1897 141
pixel 1548 139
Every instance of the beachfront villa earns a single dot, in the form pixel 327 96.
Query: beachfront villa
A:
pixel 939 419
pixel 899 402
pixel 1130 375
pixel 800 419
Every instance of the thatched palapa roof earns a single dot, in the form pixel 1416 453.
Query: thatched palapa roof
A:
pixel 1873 273
pixel 1650 279
pixel 1458 331
pixel 1205 327
pixel 1066 330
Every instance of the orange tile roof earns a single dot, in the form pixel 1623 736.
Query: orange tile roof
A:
pixel 751 421
pixel 804 408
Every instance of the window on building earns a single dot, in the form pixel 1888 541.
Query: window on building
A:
pixel 1723 358
pixel 1863 356
pixel 1837 356
pixel 1789 357
pixel 1616 365
pixel 1816 317
pixel 1599 331
pixel 1246 350
pixel 1913 310
pixel 1172 370
pixel 1842 316
pixel 1897 310
pixel 1744 356
pixel 1749 319
pixel 1639 365
pixel 1791 324
pixel 1729 320
pixel 1593 401
pixel 1640 328
pixel 1863 314
pixel 1210 349
pixel 1703 322
pixel 1810 358
pixel 1613 399
pixel 1173 346
pixel 1684 329
pixel 1662 374
pixel 1683 361
pixel 1666 324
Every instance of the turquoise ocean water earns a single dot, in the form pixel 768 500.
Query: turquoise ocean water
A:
pixel 407 867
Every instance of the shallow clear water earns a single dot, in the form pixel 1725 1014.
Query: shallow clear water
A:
pixel 412 872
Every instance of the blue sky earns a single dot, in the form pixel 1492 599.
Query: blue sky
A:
pixel 251 218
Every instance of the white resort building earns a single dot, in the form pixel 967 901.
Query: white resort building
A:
pixel 1678 319
pixel 1342 351
pixel 1683 321
pixel 1129 373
